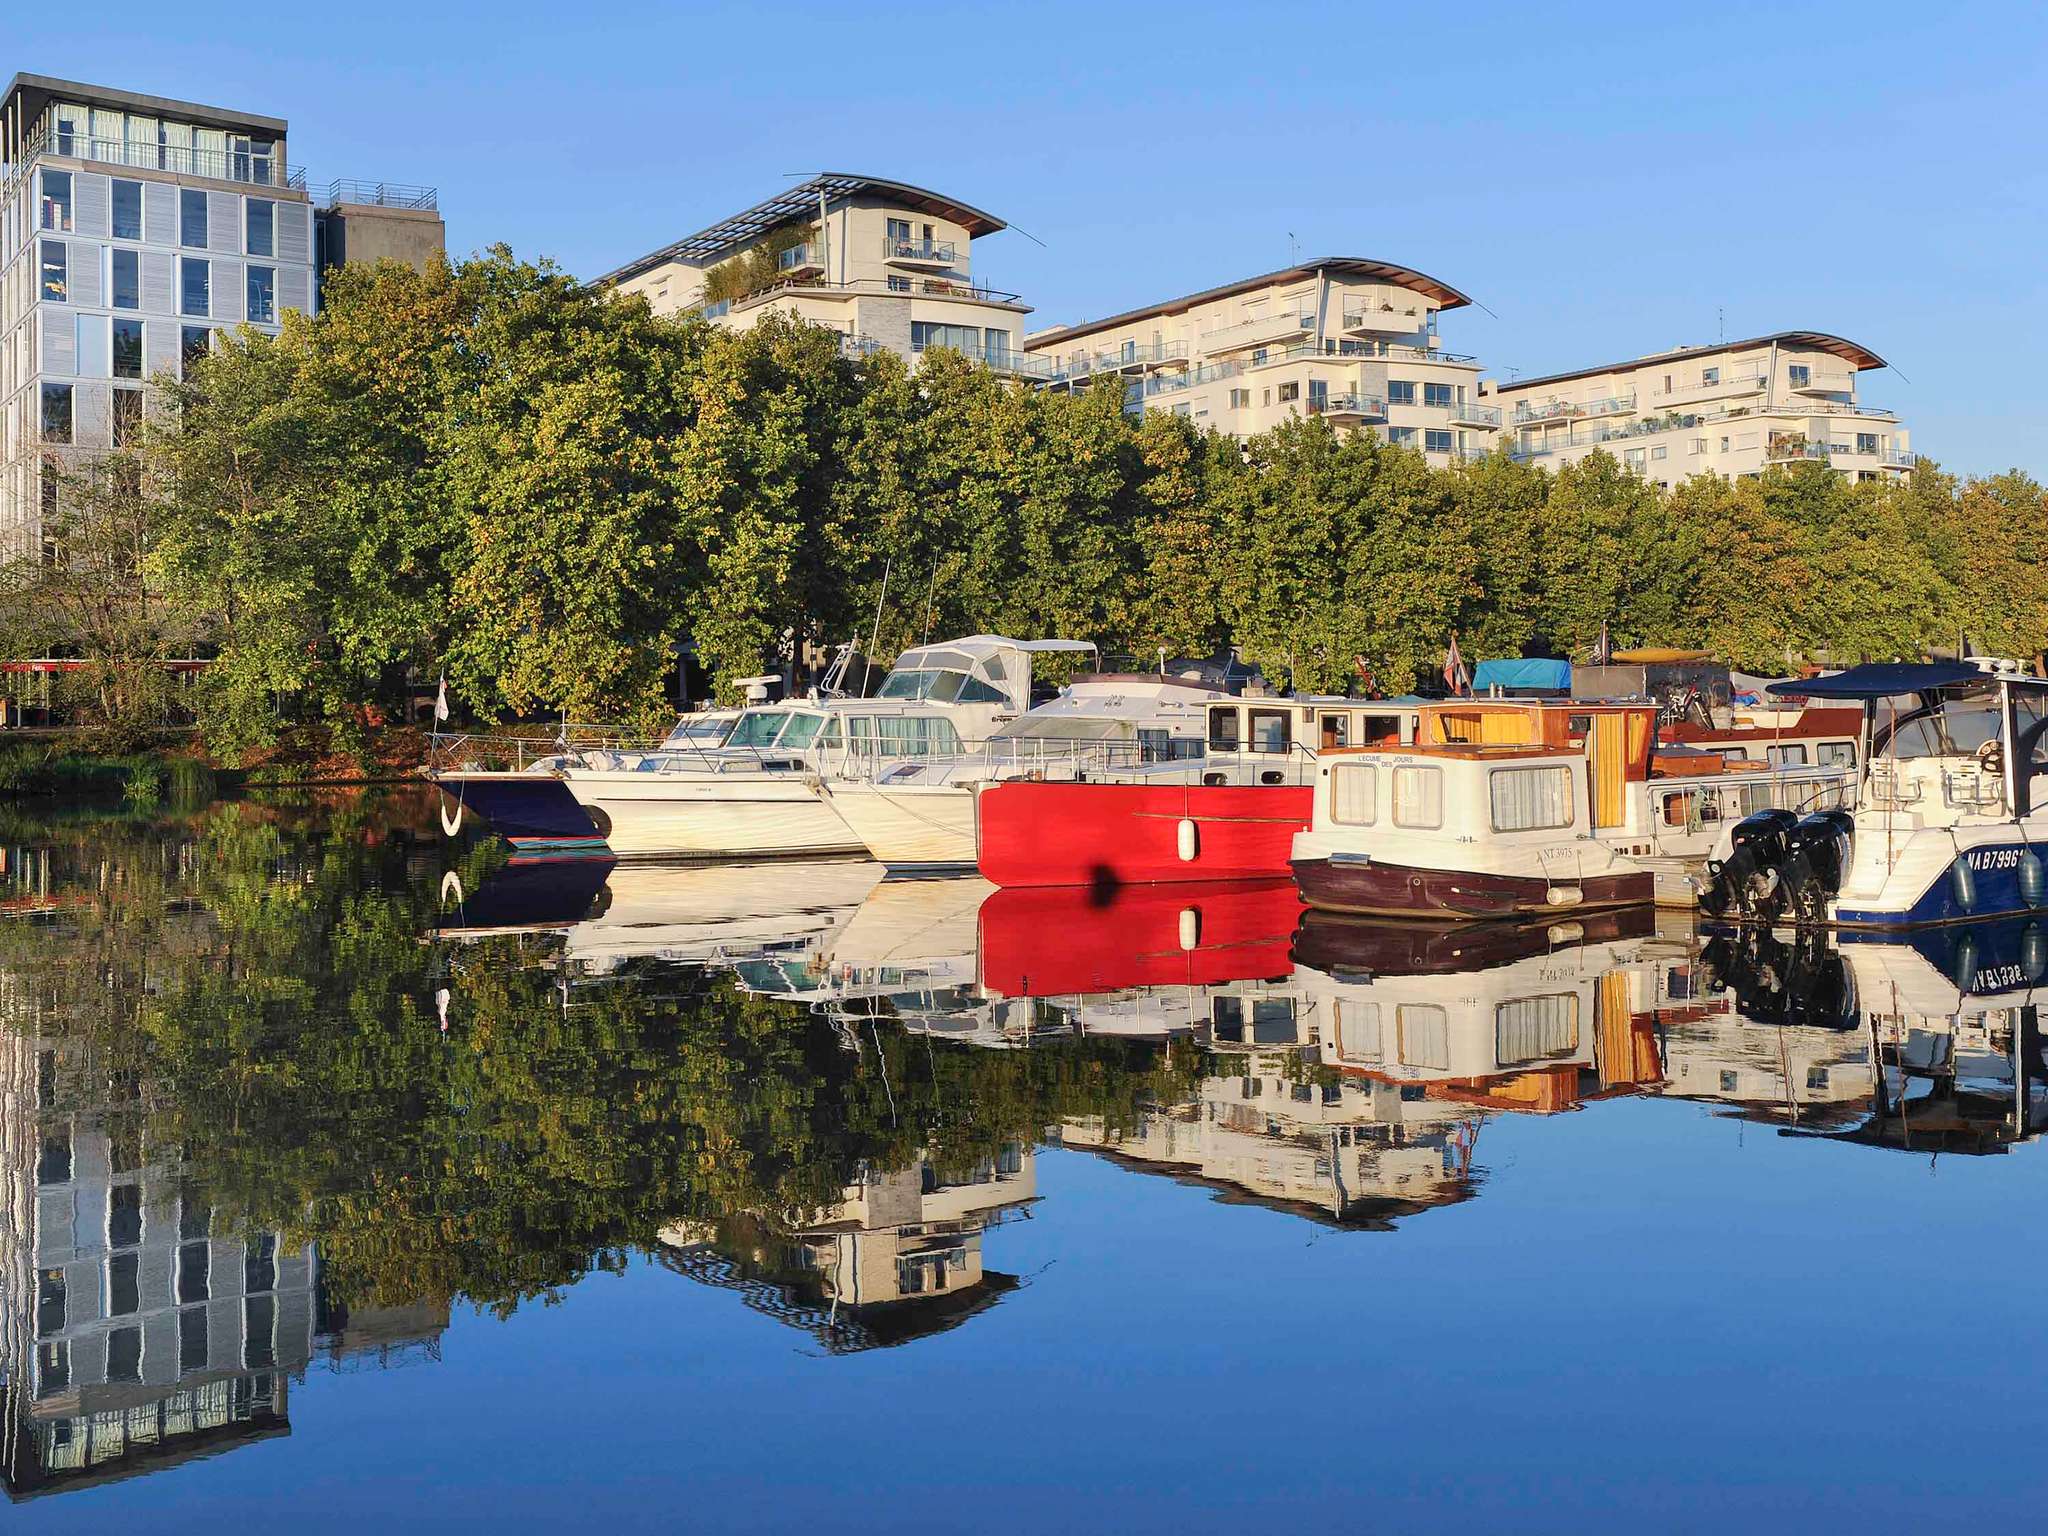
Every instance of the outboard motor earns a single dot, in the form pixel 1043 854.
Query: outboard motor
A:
pixel 1816 857
pixel 1749 882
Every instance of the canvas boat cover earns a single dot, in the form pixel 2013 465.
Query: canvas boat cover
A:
pixel 1516 672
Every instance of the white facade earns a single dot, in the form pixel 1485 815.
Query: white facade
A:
pixel 1730 410
pixel 131 229
pixel 885 265
pixel 1352 340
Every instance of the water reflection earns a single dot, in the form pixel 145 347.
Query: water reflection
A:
pixel 285 1090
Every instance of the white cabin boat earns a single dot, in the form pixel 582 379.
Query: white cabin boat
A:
pixel 756 794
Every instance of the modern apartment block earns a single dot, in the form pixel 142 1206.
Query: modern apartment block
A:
pixel 1732 409
pixel 133 228
pixel 1345 338
pixel 884 264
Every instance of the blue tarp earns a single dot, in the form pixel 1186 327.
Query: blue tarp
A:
pixel 1518 672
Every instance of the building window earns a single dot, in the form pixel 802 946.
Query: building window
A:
pixel 127 349
pixel 124 1355
pixel 1801 375
pixel 124 1215
pixel 1240 399
pixel 899 229
pixel 262 227
pixel 192 218
pixel 263 296
pixel 194 1264
pixel 1400 391
pixel 53 1367
pixel 124 1284
pixel 195 286
pixel 1437 396
pixel 57 201
pixel 259 1265
pixel 1266 395
pixel 1660 452
pixel 193 344
pixel 56 413
pixel 127 292
pixel 1434 441
pixel 1318 394
pixel 1710 376
pixel 1632 458
pixel 1401 436
pixel 259 1332
pixel 192 1341
pixel 898 283
pixel 1289 392
pixel 930 333
pixel 127 210
pixel 127 416
pixel 1697 445
pixel 1866 442
pixel 56 271
pixel 50 1293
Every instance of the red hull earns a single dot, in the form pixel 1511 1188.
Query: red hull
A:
pixel 1107 835
pixel 1058 941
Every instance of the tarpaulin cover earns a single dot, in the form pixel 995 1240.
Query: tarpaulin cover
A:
pixel 1881 680
pixel 1522 672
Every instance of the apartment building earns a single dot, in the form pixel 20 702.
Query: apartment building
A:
pixel 1351 340
pixel 1732 409
pixel 134 228
pixel 884 264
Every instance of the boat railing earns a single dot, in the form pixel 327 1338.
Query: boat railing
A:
pixel 483 752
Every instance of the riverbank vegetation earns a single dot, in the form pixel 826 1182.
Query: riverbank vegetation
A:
pixel 492 472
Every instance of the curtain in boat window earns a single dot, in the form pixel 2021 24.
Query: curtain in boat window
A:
pixel 1354 794
pixel 1529 799
pixel 1533 1028
pixel 1418 797
pixel 1425 1032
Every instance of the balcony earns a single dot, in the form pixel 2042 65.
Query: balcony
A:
pixel 381 194
pixel 1810 383
pixel 1476 415
pixel 250 167
pixel 1750 382
pixel 1894 459
pixel 917 253
pixel 857 347
pixel 1131 357
pixel 800 260
pixel 1351 409
pixel 900 287
pixel 1388 319
pixel 1572 410
pixel 1259 332
pixel 1004 360
pixel 1791 448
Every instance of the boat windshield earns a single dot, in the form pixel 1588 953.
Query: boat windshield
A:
pixel 939 687
pixel 699 731
pixel 757 728
pixel 1957 728
pixel 1064 728
pixel 803 730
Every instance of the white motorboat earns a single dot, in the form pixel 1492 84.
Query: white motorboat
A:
pixel 756 794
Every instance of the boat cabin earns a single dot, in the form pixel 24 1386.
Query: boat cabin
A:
pixel 979 669
pixel 1254 740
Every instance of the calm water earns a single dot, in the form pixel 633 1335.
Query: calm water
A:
pixel 356 1176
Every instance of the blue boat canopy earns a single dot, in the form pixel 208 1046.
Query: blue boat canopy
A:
pixel 1522 672
pixel 1882 680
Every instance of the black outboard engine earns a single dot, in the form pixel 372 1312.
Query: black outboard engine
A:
pixel 1749 883
pixel 1816 857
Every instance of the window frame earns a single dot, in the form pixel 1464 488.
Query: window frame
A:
pixel 1401 772
pixel 114 225
pixel 1371 790
pixel 189 200
pixel 1568 798
pixel 186 266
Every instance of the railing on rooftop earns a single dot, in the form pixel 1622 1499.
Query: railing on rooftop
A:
pixel 926 287
pixel 798 257
pixel 998 359
pixel 1131 355
pixel 1566 410
pixel 381 194
pixel 1477 415
pixel 249 166
pixel 1366 407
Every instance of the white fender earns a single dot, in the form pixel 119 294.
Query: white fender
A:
pixel 1190 928
pixel 451 889
pixel 1188 842
pixel 455 826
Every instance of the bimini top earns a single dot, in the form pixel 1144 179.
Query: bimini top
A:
pixel 1883 680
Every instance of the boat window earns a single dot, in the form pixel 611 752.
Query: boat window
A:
pixel 1418 797
pixel 1354 794
pixel 1379 730
pixel 1789 756
pixel 803 730
pixel 1424 1031
pixel 831 737
pixel 914 736
pixel 1226 1019
pixel 1916 738
pixel 940 687
pixel 1273 1021
pixel 1272 730
pixel 1691 807
pixel 1530 799
pixel 1970 723
pixel 974 691
pixel 757 728
pixel 1529 1029
pixel 1223 730
pixel 1840 754
pixel 1336 731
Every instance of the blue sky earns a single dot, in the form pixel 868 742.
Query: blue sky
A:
pixel 1607 181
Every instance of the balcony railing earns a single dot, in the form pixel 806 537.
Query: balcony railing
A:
pixel 1898 460
pixel 1385 317
pixel 1025 365
pixel 1476 415
pixel 799 258
pixel 381 194
pixel 1249 333
pixel 1727 384
pixel 894 249
pixel 1150 354
pixel 1361 407
pixel 1823 383
pixel 918 287
pixel 251 167
pixel 1785 450
pixel 859 346
pixel 1572 410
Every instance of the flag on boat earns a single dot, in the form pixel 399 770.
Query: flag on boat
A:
pixel 441 699
pixel 1456 678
